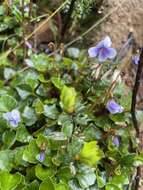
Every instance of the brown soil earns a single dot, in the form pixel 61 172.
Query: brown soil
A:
pixel 128 18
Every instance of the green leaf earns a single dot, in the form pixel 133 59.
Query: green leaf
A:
pixel 2 10
pixel 50 111
pixel 17 13
pixel 67 129
pixel 42 172
pixel 58 83
pixel 73 52
pixel 3 57
pixel 41 62
pixel 61 186
pixel 29 116
pixel 41 139
pixel 86 177
pixel 91 153
pixel 18 157
pixel 74 185
pixel 22 135
pixel 68 99
pixel 24 91
pixel 138 160
pixel 120 180
pixel 92 133
pixel 57 139
pixel 41 91
pixel 127 160
pixel 30 173
pixel 39 107
pixel 8 139
pixel 30 152
pixel 117 117
pixel 6 160
pixel 9 181
pixel 31 79
pixel 112 187
pixel 100 181
pixel 32 186
pixel 65 173
pixel 47 183
pixel 9 73
pixel 3 37
pixel 75 147
pixel 67 124
pixel 7 103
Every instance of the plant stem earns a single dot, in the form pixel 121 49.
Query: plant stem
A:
pixel 23 27
pixel 133 112
pixel 38 28
pixel 30 9
pixel 68 18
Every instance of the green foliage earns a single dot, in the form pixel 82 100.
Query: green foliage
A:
pixel 9 181
pixel 59 120
pixel 82 8
pixel 68 99
pixel 65 139
pixel 7 103
pixel 91 153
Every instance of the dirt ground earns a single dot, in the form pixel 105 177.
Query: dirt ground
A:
pixel 128 18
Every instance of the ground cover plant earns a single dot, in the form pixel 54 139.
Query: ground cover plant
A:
pixel 65 121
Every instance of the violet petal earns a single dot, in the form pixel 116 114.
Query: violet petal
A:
pixel 42 156
pixel 111 53
pixel 114 108
pixel 16 115
pixel 107 42
pixel 136 59
pixel 93 51
pixel 12 117
pixel 116 141
pixel 13 123
pixel 103 55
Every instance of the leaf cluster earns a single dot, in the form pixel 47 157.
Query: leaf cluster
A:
pixel 64 118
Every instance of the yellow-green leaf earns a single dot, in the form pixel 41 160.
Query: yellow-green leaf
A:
pixel 68 99
pixel 91 153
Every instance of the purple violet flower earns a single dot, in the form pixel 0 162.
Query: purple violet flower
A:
pixel 113 107
pixel 103 50
pixel 116 141
pixel 42 156
pixel 12 117
pixel 47 51
pixel 136 59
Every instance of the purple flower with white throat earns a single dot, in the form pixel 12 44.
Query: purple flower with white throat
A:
pixel 12 117
pixel 136 59
pixel 103 50
pixel 113 107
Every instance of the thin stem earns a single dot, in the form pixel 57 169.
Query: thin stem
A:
pixel 76 39
pixel 91 28
pixel 30 8
pixel 39 27
pixel 133 112
pixel 39 17
pixel 135 91
pixel 68 17
pixel 23 27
